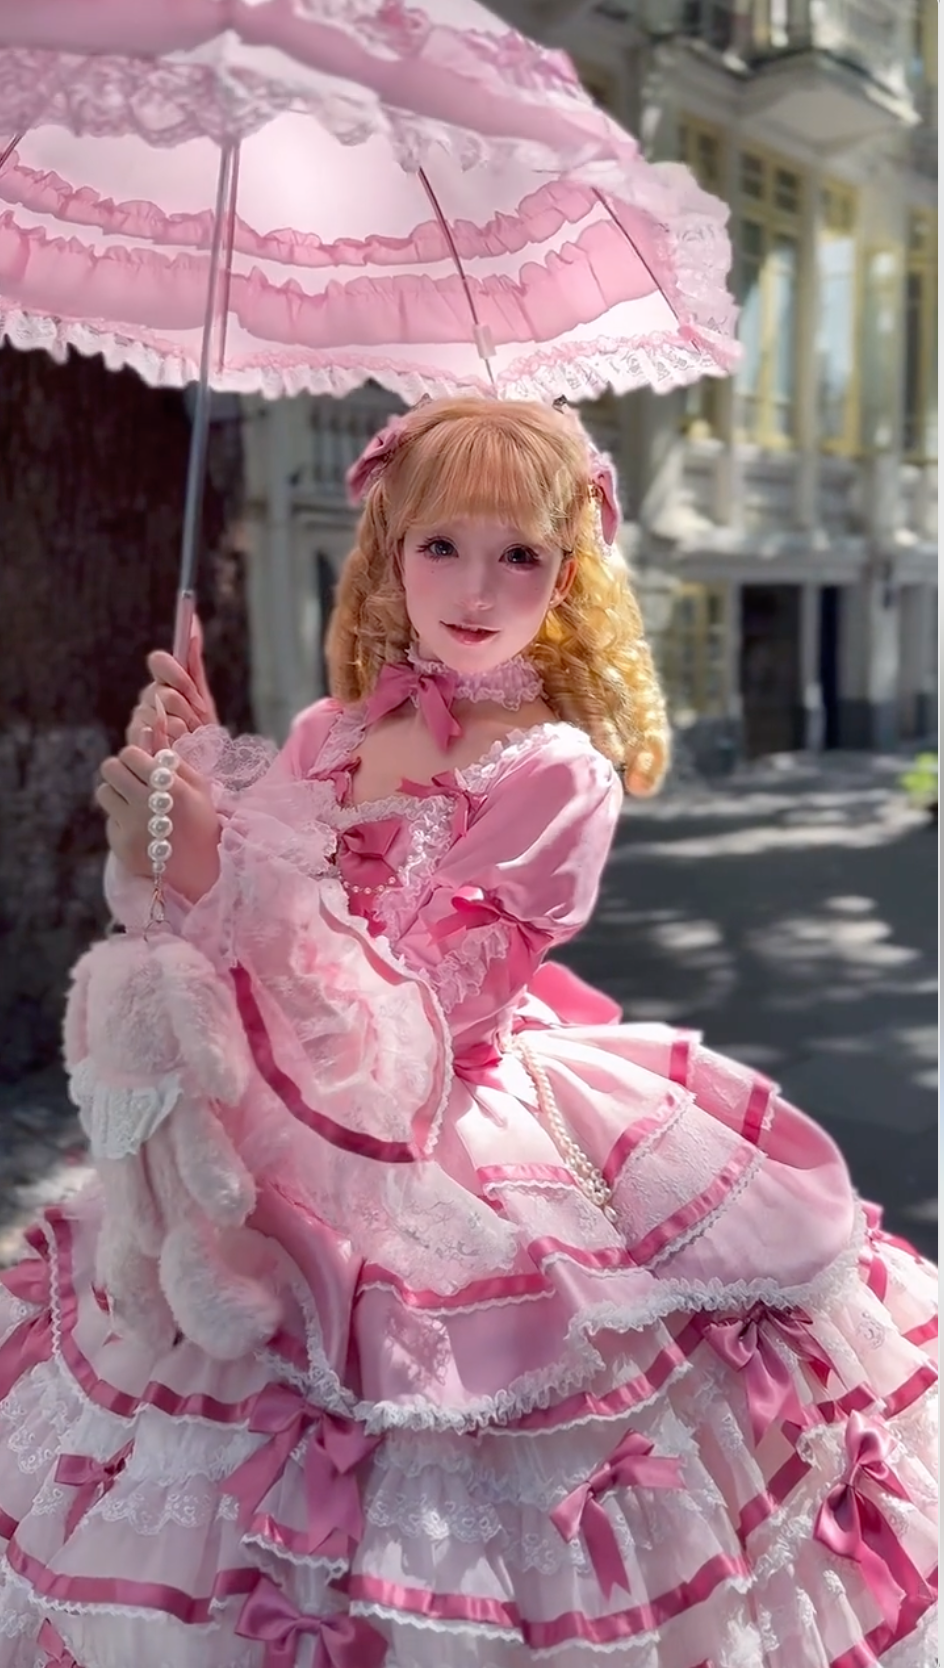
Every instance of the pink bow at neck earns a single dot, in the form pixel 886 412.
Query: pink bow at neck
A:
pixel 631 1465
pixel 851 1525
pixel 270 1618
pixel 434 693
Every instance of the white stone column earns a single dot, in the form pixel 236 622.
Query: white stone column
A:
pixel 275 447
pixel 806 503
pixel 734 700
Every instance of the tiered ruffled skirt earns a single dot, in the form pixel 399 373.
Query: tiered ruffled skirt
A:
pixel 699 1437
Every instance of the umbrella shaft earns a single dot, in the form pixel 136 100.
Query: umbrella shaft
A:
pixel 200 428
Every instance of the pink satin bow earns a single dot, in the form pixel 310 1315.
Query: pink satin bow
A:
pixel 479 1064
pixel 631 1465
pixel 271 1619
pixel 434 692
pixel 744 1344
pixel 30 1342
pixel 51 1641
pixel 363 853
pixel 373 460
pixel 850 1523
pixel 91 1478
pixel 445 786
pixel 471 907
pixel 341 778
pixel 331 1492
pixel 603 481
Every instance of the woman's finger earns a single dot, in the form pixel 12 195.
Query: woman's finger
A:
pixel 169 674
pixel 197 668
pixel 138 765
pixel 115 776
pixel 111 802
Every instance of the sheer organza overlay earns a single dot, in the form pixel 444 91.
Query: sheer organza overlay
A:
pixel 494 1426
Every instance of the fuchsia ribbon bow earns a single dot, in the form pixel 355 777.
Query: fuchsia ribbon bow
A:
pixel 743 1342
pixel 57 1651
pixel 270 1618
pixel 850 1523
pixel 434 692
pixel 364 853
pixel 341 777
pixel 31 1341
pixel 631 1465
pixel 444 786
pixel 91 1478
pixel 331 1492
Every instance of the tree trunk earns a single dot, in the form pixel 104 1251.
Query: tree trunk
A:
pixel 92 469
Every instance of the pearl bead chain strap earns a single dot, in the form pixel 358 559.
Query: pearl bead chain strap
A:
pixel 160 827
pixel 589 1179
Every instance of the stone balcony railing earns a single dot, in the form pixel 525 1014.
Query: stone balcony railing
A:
pixel 872 36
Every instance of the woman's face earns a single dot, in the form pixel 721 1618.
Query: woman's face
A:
pixel 477 592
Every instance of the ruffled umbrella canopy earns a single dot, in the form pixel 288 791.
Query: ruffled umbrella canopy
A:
pixel 286 195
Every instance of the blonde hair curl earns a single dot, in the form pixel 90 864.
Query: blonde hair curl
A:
pixel 529 466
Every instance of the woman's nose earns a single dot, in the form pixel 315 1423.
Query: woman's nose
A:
pixel 479 593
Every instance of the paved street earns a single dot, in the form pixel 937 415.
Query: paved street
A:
pixel 792 918
pixel 791 915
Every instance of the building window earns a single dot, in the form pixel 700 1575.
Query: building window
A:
pixel 693 653
pixel 837 320
pixel 920 356
pixel 768 251
pixel 702 149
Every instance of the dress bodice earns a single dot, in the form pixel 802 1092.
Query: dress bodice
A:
pixel 433 867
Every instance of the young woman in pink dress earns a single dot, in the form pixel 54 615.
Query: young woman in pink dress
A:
pixel 425 1315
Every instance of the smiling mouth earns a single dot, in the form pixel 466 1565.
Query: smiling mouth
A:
pixel 470 634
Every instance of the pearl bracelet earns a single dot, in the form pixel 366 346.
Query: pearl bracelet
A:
pixel 160 826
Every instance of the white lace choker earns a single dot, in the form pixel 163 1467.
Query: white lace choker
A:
pixel 512 684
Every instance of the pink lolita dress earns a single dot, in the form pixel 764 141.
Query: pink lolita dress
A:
pixel 586 1352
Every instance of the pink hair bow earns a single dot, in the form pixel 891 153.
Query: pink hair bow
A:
pixel 604 484
pixel 374 459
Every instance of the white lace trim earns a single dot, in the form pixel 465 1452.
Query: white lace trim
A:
pixel 511 685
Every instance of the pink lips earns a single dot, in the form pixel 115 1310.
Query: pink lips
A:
pixel 471 634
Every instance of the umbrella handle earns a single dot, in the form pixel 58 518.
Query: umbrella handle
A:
pixel 183 625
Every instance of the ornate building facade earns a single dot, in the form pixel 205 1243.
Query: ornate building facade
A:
pixel 783 525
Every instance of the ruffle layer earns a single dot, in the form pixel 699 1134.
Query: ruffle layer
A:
pixel 191 1482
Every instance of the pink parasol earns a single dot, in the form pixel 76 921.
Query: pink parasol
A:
pixel 288 195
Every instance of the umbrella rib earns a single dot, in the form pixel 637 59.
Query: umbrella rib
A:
pixel 636 251
pixel 480 333
pixel 6 154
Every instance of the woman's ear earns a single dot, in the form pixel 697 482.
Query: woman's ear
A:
pixel 565 579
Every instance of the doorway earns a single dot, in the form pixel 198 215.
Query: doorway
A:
pixel 830 612
pixel 770 669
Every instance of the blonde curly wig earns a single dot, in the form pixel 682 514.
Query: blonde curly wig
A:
pixel 528 466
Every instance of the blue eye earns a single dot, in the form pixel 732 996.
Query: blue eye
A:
pixel 438 549
pixel 519 556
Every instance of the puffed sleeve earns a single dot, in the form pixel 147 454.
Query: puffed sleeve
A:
pixel 524 877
